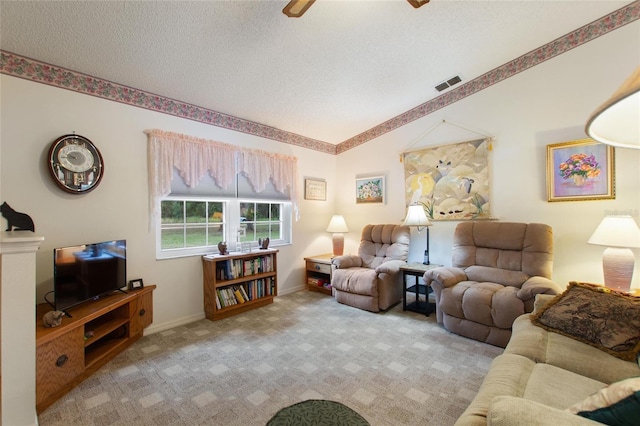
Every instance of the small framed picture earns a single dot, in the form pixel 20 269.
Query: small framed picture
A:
pixel 370 190
pixel 133 284
pixel 315 189
pixel 580 170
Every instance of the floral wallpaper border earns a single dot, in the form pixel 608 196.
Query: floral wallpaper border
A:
pixel 589 32
pixel 34 70
pixel 41 72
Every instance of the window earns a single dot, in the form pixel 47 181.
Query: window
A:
pixel 205 192
pixel 195 226
pixel 260 221
pixel 191 223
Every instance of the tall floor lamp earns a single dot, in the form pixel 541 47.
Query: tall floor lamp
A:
pixel 338 227
pixel 417 217
pixel 619 234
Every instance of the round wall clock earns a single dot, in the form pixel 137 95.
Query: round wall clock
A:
pixel 75 164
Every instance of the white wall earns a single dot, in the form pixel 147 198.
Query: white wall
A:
pixel 546 104
pixel 34 115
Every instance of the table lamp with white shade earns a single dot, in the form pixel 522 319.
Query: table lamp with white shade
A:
pixel 338 227
pixel 417 217
pixel 619 234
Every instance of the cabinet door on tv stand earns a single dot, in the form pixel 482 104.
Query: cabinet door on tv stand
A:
pixel 142 315
pixel 58 362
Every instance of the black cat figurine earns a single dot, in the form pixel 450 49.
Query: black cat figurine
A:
pixel 17 220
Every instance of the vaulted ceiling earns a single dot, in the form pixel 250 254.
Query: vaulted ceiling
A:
pixel 340 70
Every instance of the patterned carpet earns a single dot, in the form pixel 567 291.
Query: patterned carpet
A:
pixel 393 368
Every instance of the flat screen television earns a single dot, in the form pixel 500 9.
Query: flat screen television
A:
pixel 88 271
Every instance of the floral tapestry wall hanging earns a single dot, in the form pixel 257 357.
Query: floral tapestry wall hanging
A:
pixel 580 170
pixel 451 181
pixel 370 190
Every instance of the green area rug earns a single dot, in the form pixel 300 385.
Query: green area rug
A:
pixel 317 412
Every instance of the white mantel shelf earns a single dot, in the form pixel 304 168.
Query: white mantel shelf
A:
pixel 17 327
pixel 19 242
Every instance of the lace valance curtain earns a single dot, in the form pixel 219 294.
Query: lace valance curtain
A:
pixel 261 167
pixel 194 158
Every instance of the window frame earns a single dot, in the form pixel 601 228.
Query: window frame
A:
pixel 231 222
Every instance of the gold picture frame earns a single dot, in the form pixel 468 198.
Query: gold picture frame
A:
pixel 370 190
pixel 580 170
pixel 315 189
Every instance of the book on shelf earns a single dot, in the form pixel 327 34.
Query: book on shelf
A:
pixel 234 295
pixel 218 304
pixel 225 297
pixel 244 293
pixel 260 288
pixel 230 269
pixel 238 296
pixel 231 296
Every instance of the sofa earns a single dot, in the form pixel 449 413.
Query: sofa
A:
pixel 547 377
pixel 371 280
pixel 497 270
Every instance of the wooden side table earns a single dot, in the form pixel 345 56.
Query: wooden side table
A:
pixel 417 270
pixel 318 273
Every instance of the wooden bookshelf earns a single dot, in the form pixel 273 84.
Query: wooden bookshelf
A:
pixel 95 333
pixel 239 282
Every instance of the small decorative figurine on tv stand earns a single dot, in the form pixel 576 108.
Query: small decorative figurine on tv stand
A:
pixel 52 318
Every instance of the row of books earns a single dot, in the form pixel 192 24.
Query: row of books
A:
pixel 242 293
pixel 236 268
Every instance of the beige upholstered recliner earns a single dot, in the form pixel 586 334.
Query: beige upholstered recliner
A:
pixel 498 268
pixel 372 279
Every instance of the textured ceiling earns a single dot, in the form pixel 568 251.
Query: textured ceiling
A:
pixel 341 69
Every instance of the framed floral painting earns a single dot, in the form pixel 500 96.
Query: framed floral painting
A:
pixel 580 170
pixel 370 190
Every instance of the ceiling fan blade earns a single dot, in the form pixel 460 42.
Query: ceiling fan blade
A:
pixel 418 3
pixel 296 8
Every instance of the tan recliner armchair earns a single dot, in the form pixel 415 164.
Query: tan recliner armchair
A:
pixel 372 279
pixel 498 268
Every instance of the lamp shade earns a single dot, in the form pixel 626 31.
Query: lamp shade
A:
pixel 337 224
pixel 617 121
pixel 416 216
pixel 617 231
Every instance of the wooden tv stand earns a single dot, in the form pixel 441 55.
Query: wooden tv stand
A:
pixel 95 333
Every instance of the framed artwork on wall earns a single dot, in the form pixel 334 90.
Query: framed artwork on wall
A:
pixel 451 182
pixel 370 190
pixel 315 189
pixel 580 170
